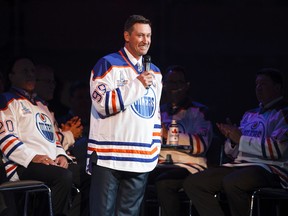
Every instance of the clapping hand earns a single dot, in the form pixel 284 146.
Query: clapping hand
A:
pixel 230 131
pixel 74 125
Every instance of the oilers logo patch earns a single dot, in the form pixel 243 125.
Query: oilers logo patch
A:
pixel 45 126
pixel 255 125
pixel 254 129
pixel 145 107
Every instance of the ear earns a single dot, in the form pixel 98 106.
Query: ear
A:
pixel 126 36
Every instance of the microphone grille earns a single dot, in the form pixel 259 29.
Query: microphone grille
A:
pixel 147 59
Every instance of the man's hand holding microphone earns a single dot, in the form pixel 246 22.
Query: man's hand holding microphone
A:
pixel 146 78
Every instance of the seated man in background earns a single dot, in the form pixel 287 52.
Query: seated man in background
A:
pixel 195 132
pixel 80 105
pixel 260 148
pixel 70 133
pixel 29 142
pixel 7 204
pixel 71 129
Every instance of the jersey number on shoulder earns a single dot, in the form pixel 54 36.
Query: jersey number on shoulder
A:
pixel 8 124
pixel 99 92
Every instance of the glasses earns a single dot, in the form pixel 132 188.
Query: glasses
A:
pixel 47 81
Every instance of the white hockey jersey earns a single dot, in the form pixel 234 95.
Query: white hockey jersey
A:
pixel 264 140
pixel 125 117
pixel 195 135
pixel 26 129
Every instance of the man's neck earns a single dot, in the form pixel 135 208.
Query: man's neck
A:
pixel 271 102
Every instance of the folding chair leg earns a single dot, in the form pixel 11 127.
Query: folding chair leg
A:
pixel 26 203
pixel 252 205
pixel 50 201
pixel 190 207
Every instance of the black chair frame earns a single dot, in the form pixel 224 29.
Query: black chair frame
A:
pixel 28 186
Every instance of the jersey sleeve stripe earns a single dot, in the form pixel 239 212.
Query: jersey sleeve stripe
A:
pixel 120 99
pixel 198 144
pixel 13 149
pixel 13 167
pixel 269 145
pixel 113 100
pixel 9 143
pixel 157 126
pixel 204 143
pixel 107 103
pixel 156 141
pixel 277 148
pixel 9 175
pixel 156 133
pixel 263 148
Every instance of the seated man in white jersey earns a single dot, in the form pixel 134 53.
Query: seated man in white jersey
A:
pixel 29 142
pixel 260 148
pixel 195 135
pixel 69 133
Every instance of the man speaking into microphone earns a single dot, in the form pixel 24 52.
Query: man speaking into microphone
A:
pixel 124 140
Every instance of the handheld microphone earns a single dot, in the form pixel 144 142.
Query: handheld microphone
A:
pixel 147 62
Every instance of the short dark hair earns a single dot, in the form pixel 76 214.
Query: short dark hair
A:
pixel 135 19
pixel 177 68
pixel 274 74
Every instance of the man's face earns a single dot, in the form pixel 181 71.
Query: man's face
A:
pixel 23 75
pixel 138 42
pixel 176 86
pixel 45 84
pixel 266 89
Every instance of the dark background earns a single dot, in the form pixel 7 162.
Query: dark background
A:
pixel 221 43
